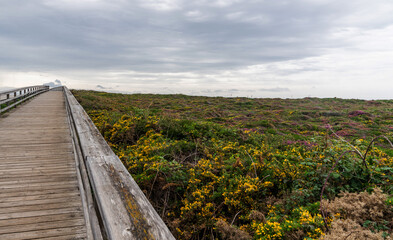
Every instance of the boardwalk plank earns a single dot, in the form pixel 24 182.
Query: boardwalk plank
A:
pixel 33 172
pixel 27 186
pixel 39 190
pixel 36 169
pixel 39 187
pixel 67 237
pixel 39 197
pixel 39 212
pixel 36 159
pixel 37 156
pixel 42 226
pixel 37 175
pixel 41 219
pixel 43 233
pixel 40 202
pixel 27 208
pixel 37 164
pixel 4 182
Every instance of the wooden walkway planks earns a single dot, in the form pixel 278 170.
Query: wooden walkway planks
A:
pixel 39 194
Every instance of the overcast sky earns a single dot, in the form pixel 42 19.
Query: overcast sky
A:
pixel 253 48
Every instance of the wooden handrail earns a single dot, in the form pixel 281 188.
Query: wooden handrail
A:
pixel 11 93
pixel 124 210
pixel 11 98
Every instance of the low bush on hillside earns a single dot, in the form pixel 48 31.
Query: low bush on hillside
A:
pixel 217 168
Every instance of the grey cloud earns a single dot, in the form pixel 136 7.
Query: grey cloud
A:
pixel 233 90
pixel 232 47
pixel 5 88
pixel 289 71
pixel 101 87
pixel 56 83
pixel 117 35
pixel 277 89
pixel 209 91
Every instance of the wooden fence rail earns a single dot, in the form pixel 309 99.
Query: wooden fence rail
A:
pixel 11 98
pixel 123 211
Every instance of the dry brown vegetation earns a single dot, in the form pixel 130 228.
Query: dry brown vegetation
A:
pixel 360 216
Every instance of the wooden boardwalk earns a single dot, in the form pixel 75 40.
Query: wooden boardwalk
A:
pixel 59 179
pixel 39 191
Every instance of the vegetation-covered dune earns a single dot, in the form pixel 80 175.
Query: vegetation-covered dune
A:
pixel 239 168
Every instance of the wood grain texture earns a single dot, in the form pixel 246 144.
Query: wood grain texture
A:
pixel 39 191
pixel 125 210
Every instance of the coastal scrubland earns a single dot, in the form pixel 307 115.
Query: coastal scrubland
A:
pixel 240 168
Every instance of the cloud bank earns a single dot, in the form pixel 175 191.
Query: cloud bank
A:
pixel 274 48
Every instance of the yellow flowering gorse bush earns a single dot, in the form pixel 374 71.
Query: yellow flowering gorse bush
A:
pixel 211 172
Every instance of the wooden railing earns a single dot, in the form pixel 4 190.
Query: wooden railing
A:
pixel 117 208
pixel 11 98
